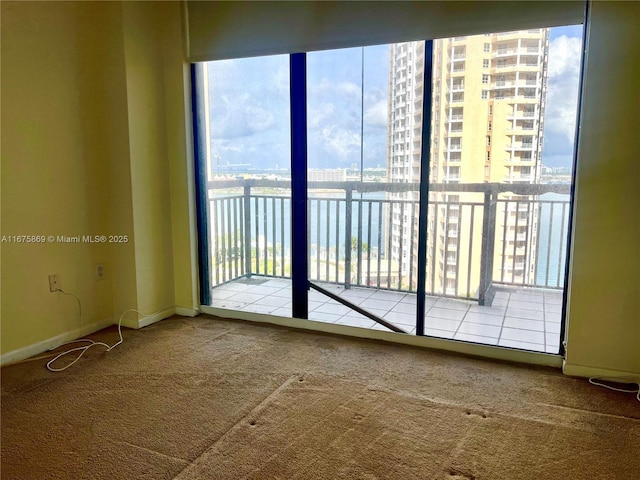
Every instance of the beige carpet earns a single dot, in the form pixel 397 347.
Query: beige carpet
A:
pixel 207 398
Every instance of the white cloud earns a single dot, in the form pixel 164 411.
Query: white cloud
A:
pixel 376 114
pixel 349 89
pixel 564 56
pixel 341 142
pixel 321 114
pixel 562 94
pixel 240 115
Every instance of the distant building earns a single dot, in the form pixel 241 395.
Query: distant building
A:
pixel 328 175
pixel 487 116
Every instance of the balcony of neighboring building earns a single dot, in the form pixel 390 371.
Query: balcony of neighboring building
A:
pixel 519 35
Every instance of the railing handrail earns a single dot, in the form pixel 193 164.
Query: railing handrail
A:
pixel 391 187
pixel 252 249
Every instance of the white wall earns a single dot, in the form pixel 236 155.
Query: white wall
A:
pixel 604 298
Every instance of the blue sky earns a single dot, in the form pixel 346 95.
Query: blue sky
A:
pixel 249 102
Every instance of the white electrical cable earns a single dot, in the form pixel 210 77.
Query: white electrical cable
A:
pixel 72 295
pixel 92 343
pixel 597 381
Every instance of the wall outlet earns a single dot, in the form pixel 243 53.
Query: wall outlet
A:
pixel 54 283
pixel 100 273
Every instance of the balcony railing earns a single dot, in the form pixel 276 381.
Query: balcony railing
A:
pixel 357 234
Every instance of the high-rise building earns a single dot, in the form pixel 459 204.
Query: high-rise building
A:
pixel 486 127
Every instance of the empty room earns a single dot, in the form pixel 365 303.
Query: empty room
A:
pixel 358 240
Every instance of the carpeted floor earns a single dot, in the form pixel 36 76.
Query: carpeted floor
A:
pixel 207 398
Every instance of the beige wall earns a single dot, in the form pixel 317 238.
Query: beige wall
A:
pixel 95 140
pixel 86 151
pixel 604 307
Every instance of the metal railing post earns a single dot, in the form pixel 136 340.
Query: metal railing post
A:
pixel 488 242
pixel 347 237
pixel 247 228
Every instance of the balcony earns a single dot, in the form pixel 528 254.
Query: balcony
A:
pixel 352 255
pixel 519 146
pixel 521 115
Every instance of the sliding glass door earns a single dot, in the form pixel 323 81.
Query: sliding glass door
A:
pixel 419 187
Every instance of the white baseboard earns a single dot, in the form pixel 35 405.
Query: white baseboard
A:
pixel 602 373
pixel 53 342
pixel 151 319
pixel 187 312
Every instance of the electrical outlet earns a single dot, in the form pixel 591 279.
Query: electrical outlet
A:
pixel 54 283
pixel 100 271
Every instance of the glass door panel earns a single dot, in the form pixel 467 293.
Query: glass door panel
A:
pixel 353 209
pixel 247 154
pixel 498 216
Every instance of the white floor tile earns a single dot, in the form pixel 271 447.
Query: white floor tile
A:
pixel 475 339
pixel 256 308
pixel 473 317
pixel 437 332
pixel 221 294
pixel 522 297
pixel 372 302
pixel 378 326
pixel 524 324
pixel 323 317
pixel 518 335
pixel 529 315
pixel 278 283
pixel 480 330
pixel 552 308
pixel 553 299
pixel 358 293
pixel 411 299
pixel 526 305
pixel 282 312
pixel 273 301
pixel 446 313
pixel 353 300
pixel 228 304
pixel 236 287
pixel 441 324
pixel 486 310
pixel 552 339
pixel 282 293
pixel 521 345
pixel 553 317
pixel 246 297
pixel 375 311
pixel 452 304
pixel 389 296
pixel 332 308
pixel 404 308
pixel 552 327
pixel 523 313
pixel 401 318
pixel 262 290
pixel 313 305
pixel 361 321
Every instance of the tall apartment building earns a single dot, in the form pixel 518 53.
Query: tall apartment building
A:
pixel 487 115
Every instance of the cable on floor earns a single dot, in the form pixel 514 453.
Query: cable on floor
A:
pixel 598 382
pixel 91 343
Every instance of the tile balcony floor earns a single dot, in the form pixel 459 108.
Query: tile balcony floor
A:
pixel 527 319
